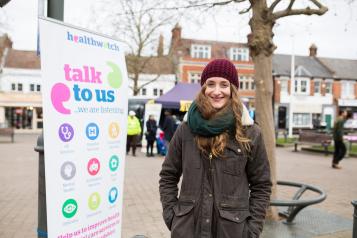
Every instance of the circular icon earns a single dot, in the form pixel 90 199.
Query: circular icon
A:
pixel 65 132
pixel 113 130
pixel 92 131
pixel 69 208
pixel 93 166
pixel 94 201
pixel 68 170
pixel 113 163
pixel 113 194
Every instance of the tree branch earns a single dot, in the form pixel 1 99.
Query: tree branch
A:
pixel 304 11
pixel 246 10
pixel 152 80
pixel 273 5
pixel 291 4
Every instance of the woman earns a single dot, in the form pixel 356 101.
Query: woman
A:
pixel 151 128
pixel 220 153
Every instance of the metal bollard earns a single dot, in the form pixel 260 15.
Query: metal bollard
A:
pixel 42 211
pixel 354 234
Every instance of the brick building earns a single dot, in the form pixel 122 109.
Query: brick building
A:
pixel 190 56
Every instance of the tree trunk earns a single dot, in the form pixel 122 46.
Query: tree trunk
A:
pixel 261 50
pixel 264 114
pixel 136 80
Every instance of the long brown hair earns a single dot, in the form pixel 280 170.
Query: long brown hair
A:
pixel 216 144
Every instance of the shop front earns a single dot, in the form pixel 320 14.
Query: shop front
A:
pixel 21 111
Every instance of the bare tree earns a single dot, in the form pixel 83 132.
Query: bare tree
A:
pixel 263 16
pixel 138 26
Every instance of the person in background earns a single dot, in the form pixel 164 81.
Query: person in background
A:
pixel 151 128
pixel 338 132
pixel 176 121
pixel 134 131
pixel 168 128
pixel 219 156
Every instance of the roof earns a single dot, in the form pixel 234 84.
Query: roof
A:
pixel 341 68
pixel 219 49
pixel 181 92
pixel 22 59
pixel 151 65
pixel 306 65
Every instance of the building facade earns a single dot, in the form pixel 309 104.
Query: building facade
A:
pixel 20 90
pixel 312 96
pixel 190 56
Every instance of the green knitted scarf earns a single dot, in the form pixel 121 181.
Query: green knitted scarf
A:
pixel 214 126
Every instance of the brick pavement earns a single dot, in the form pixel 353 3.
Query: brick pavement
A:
pixel 142 208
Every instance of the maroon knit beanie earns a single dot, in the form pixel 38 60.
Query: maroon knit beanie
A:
pixel 220 68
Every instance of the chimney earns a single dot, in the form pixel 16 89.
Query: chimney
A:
pixel 313 50
pixel 175 37
pixel 176 32
pixel 160 48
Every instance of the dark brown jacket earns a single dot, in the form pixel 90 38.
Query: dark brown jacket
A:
pixel 224 198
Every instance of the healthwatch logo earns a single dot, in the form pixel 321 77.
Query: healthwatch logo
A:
pixel 61 93
pixel 89 40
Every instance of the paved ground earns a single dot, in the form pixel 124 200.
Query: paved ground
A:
pixel 142 209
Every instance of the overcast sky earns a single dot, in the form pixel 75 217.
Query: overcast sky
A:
pixel 335 33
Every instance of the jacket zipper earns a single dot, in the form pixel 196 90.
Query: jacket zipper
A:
pixel 210 160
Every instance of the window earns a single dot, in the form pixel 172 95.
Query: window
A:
pixel 317 87
pixel 301 86
pixel 161 92
pixel 19 87
pixel 347 89
pixel 284 86
pixel 239 54
pixel 32 87
pixel 328 87
pixel 201 51
pixel 143 91
pixel 13 87
pixel 194 77
pixel 246 83
pixel 155 92
pixel 301 119
pixel 38 88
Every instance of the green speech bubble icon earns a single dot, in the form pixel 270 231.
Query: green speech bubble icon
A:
pixel 115 77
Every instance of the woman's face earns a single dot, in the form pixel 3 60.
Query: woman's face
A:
pixel 218 91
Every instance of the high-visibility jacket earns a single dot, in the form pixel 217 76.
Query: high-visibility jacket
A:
pixel 134 127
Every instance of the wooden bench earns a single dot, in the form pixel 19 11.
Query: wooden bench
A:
pixel 316 138
pixel 8 132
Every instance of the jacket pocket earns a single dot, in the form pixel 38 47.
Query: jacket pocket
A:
pixel 232 167
pixel 232 223
pixel 183 221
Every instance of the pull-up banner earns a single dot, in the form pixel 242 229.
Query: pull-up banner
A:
pixel 85 104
